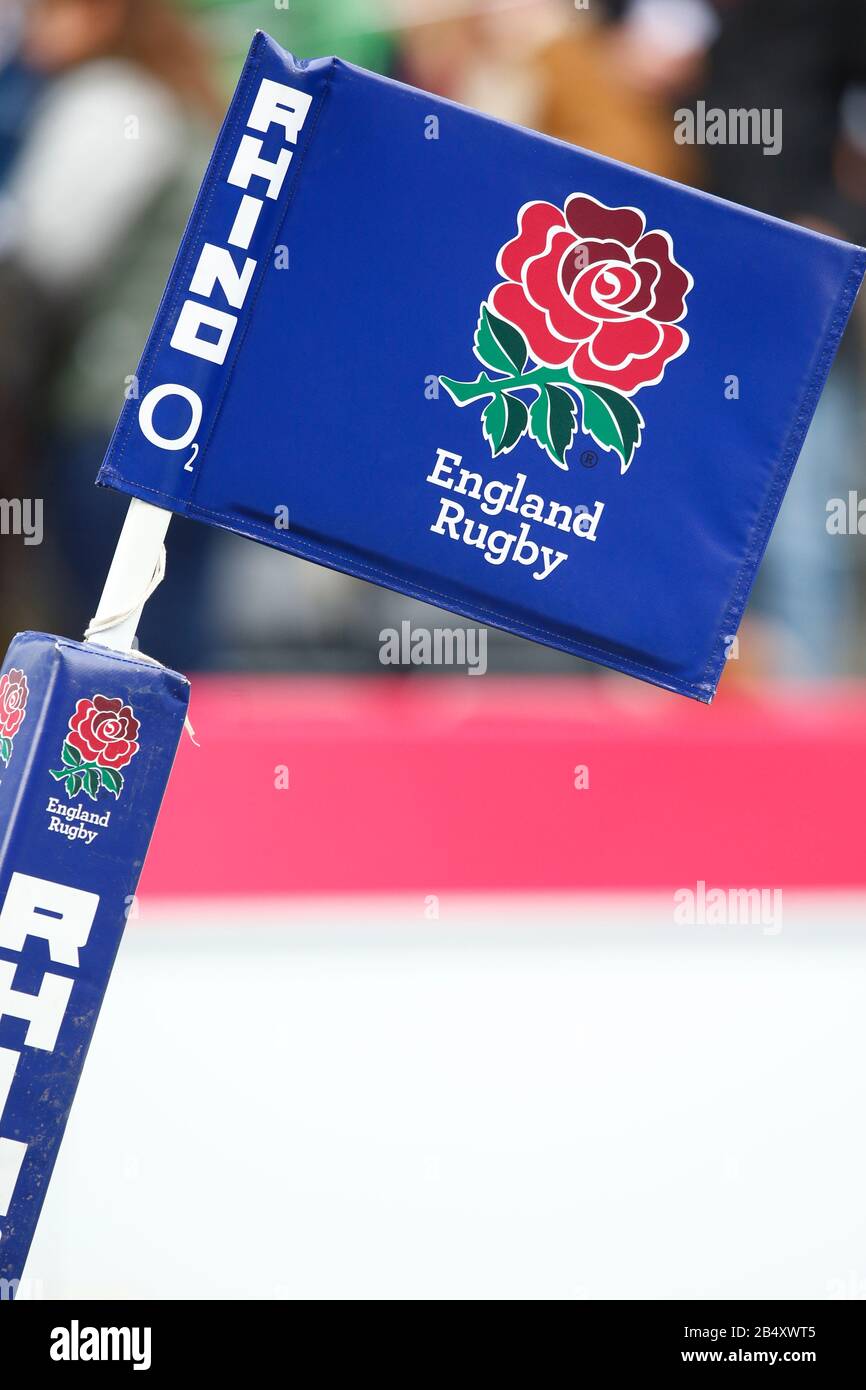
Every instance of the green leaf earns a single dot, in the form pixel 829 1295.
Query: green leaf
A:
pixel 73 782
pixel 462 392
pixel 504 421
pixel 71 756
pixel 92 782
pixel 552 422
pixel 499 344
pixel 5 749
pixel 493 421
pixel 612 420
pixel 112 780
pixel 517 422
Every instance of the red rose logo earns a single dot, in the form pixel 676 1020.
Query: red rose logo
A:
pixel 588 286
pixel 104 731
pixel 13 703
pixel 102 738
pixel 596 300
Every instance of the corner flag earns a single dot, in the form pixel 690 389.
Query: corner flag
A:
pixel 484 368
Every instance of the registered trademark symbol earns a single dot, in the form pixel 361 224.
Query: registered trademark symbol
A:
pixel 589 458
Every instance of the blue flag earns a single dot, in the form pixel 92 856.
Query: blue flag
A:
pixel 484 368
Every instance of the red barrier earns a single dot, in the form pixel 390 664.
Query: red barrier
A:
pixel 475 783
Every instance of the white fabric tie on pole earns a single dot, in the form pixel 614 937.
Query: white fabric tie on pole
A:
pixel 136 571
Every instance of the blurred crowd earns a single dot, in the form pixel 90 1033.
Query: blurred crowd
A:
pixel 107 111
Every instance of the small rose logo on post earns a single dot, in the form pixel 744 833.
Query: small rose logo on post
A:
pixel 102 739
pixel 14 693
pixel 595 301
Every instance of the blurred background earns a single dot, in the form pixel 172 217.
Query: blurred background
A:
pixel 417 985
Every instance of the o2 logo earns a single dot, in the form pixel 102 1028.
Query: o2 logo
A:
pixel 204 329
pixel 175 444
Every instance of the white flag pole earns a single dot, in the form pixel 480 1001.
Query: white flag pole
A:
pixel 136 570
